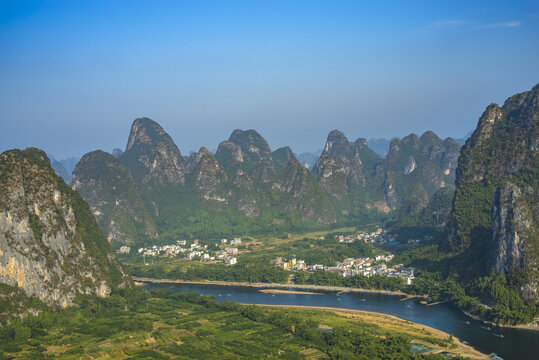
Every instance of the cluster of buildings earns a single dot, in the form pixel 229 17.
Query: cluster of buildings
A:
pixel 417 241
pixel 174 250
pixel 379 236
pixel 124 250
pixel 227 254
pixel 235 241
pixel 349 267
pixel 291 264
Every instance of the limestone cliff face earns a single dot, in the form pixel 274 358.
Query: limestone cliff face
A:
pixel 152 156
pixel 515 222
pixel 244 194
pixel 332 173
pixel 50 245
pixel 496 204
pixel 257 160
pixel 229 154
pixel 281 157
pixel 107 187
pixel 504 147
pixel 340 168
pixel 209 177
pixel 426 160
pixel 306 194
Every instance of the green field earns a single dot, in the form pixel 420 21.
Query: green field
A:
pixel 134 324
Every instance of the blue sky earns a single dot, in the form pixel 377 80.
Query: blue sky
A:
pixel 75 74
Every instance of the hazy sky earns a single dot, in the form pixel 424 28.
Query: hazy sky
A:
pixel 75 74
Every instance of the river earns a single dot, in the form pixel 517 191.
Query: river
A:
pixel 514 345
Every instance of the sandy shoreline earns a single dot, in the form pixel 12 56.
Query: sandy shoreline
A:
pixel 278 291
pixel 270 285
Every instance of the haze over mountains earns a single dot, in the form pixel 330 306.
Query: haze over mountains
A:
pixel 52 248
pixel 496 187
pixel 151 188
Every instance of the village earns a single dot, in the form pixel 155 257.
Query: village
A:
pixel 349 267
pixel 379 236
pixel 227 251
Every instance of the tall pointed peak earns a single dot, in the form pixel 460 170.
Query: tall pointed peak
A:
pixel 148 132
pixel 336 143
pixel 152 154
pixel 282 156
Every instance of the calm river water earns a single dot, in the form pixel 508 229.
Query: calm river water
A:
pixel 515 343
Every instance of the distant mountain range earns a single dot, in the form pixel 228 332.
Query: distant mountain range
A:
pixel 51 246
pixel 64 168
pixel 151 188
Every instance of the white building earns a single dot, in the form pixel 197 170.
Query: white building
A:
pixel 124 250
pixel 236 241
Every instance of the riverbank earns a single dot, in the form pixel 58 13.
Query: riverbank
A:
pixel 278 291
pixel 391 321
pixel 270 285
pixel 338 289
pixel 534 326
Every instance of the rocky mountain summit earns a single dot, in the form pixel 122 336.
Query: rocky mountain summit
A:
pixel 427 160
pixel 307 196
pixel 152 156
pixel 281 157
pixel 495 212
pixel 50 244
pixel 340 168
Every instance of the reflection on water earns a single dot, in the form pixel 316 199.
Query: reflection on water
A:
pixel 506 342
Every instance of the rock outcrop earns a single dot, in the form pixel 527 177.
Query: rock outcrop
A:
pixel 341 169
pixel 50 245
pixel 306 194
pixel 256 155
pixel 106 185
pixel 426 160
pixel 515 221
pixel 209 177
pixel 151 156
pixel 495 209
pixel 503 146
pixel 281 157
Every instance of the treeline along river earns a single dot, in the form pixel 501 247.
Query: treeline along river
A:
pixel 509 343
